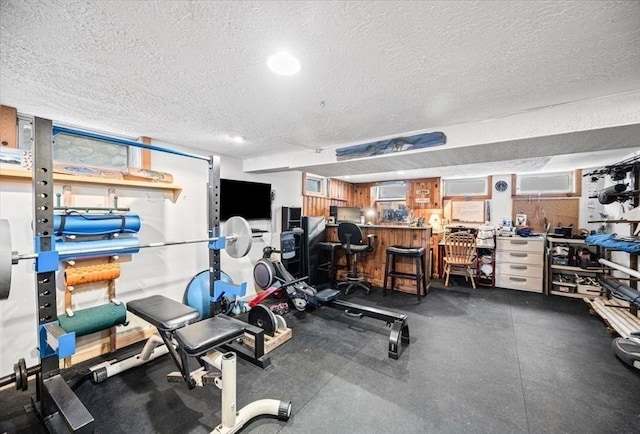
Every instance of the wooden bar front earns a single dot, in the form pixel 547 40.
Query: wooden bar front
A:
pixel 372 264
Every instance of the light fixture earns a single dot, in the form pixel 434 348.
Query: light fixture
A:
pixel 237 139
pixel 435 222
pixel 371 213
pixel 283 63
pixel 400 172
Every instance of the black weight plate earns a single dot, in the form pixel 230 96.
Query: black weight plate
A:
pixel 261 316
pixel 264 273
pixel 22 377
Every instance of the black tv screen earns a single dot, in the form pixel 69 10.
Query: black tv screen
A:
pixel 251 200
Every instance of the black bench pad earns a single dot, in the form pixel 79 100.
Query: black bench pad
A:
pixel 207 334
pixel 162 312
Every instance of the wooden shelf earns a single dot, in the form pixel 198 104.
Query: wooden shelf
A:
pixel 568 284
pixel 578 269
pixel 614 221
pixel 25 175
pixel 571 294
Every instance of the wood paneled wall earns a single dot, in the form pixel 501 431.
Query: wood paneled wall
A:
pixel 339 193
pixel 423 197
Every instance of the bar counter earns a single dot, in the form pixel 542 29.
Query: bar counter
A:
pixel 372 264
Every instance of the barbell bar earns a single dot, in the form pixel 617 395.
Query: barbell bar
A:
pixel 238 243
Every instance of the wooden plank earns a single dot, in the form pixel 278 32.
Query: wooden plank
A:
pixel 146 154
pixel 102 345
pixel 270 342
pixel 8 126
pixel 616 314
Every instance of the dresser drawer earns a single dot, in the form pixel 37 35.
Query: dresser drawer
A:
pixel 505 256
pixel 522 283
pixel 520 270
pixel 533 245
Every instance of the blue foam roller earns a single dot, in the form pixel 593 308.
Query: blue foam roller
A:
pixel 96 224
pixel 116 246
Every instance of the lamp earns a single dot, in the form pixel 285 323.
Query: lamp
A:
pixel 370 214
pixel 435 222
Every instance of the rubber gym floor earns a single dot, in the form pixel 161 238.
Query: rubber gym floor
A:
pixel 480 361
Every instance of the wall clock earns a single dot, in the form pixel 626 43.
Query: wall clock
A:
pixel 501 186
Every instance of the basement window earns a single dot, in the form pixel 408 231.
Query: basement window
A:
pixel 315 185
pixel 465 187
pixel 546 183
pixel 83 151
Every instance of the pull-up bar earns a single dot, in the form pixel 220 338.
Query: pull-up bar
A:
pixel 117 141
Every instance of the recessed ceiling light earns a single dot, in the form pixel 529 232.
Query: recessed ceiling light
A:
pixel 237 139
pixel 283 63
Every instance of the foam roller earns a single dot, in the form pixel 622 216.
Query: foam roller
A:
pixel 95 224
pixel 94 319
pixel 93 273
pixel 95 249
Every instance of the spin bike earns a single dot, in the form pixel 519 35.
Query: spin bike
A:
pixel 271 275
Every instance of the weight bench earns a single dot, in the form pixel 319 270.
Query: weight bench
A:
pixel 185 337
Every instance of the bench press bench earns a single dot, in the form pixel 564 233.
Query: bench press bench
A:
pixel 186 337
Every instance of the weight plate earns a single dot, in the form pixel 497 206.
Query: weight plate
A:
pixel 282 323
pixel 300 304
pixel 239 237
pixel 5 259
pixel 22 377
pixel 197 293
pixel 261 316
pixel 264 273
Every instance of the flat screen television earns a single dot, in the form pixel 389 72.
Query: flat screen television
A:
pixel 250 200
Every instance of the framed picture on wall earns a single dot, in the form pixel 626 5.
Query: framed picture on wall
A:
pixel 521 219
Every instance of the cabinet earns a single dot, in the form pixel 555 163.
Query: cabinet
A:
pixel 291 219
pixel 570 272
pixel 520 263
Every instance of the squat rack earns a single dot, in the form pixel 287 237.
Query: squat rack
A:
pixel 55 402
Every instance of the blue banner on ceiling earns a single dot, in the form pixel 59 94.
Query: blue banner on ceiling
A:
pixel 397 144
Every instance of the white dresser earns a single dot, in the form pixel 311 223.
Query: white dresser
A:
pixel 520 263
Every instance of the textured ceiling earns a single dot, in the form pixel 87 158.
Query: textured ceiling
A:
pixel 192 73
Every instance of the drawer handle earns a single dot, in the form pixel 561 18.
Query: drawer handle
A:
pixel 522 242
pixel 518 267
pixel 518 279
pixel 519 255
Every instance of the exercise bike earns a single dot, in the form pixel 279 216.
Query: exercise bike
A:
pixel 271 275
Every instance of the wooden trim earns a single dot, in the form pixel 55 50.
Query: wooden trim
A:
pixel 146 154
pixel 8 126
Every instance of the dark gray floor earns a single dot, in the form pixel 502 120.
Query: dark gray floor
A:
pixel 480 361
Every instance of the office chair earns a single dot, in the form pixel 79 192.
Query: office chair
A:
pixel 352 241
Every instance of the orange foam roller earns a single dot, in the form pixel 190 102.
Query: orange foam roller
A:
pixel 91 273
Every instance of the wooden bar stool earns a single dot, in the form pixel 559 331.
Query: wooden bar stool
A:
pixel 418 253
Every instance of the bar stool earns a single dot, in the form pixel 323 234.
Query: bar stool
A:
pixel 331 266
pixel 418 253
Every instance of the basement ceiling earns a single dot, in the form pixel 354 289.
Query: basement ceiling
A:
pixel 194 73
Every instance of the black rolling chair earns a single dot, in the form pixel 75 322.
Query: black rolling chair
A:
pixel 352 241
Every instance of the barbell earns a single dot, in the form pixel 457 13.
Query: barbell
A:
pixel 238 238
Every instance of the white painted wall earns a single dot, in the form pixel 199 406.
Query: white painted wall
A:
pixel 164 270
